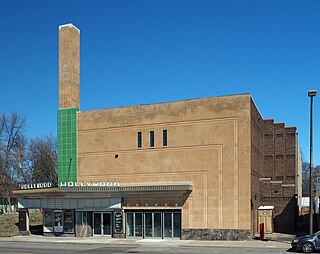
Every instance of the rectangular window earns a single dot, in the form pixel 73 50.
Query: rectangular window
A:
pixel 165 138
pixel 84 218
pixel 151 138
pixel 139 139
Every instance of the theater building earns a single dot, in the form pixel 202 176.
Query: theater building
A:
pixel 192 169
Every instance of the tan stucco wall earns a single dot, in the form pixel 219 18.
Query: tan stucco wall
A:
pixel 208 145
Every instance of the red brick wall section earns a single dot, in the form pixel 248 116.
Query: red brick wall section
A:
pixel 290 153
pixel 268 147
pixel 279 151
pixel 279 144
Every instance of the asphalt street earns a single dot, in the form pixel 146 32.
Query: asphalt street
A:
pixel 66 248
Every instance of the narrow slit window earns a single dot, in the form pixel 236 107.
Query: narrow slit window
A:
pixel 139 139
pixel 151 138
pixel 165 137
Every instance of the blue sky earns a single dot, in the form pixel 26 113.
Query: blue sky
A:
pixel 146 51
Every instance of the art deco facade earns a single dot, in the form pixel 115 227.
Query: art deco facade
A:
pixel 192 169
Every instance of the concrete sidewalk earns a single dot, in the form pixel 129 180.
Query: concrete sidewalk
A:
pixel 276 242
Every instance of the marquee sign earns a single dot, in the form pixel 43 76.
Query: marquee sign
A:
pixel 89 184
pixel 35 186
pixel 69 184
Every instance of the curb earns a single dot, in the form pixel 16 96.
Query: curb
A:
pixel 271 244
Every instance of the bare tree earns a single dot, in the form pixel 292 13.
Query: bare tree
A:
pixel 22 161
pixel 12 142
pixel 43 159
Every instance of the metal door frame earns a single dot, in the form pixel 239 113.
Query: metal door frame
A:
pixel 101 224
pixel 134 224
pixel 152 225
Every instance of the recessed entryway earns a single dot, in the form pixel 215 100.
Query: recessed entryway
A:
pixel 102 223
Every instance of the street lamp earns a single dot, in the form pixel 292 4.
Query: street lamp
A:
pixel 311 94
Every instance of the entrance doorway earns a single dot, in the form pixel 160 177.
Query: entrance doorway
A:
pixel 153 224
pixel 265 215
pixel 134 224
pixel 101 224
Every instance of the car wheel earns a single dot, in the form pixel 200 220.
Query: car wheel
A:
pixel 307 247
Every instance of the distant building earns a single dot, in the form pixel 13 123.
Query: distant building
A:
pixel 208 168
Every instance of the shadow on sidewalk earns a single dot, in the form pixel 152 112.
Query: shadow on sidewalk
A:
pixel 34 230
pixel 280 238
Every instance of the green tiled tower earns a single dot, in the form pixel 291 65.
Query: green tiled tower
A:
pixel 67 145
pixel 69 102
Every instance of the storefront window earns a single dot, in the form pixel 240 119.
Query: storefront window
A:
pixel 84 218
pixel 84 224
pixel 79 218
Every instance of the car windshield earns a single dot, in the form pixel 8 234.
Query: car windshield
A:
pixel 316 233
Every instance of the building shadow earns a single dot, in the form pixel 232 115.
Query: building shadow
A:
pixel 35 229
pixel 287 221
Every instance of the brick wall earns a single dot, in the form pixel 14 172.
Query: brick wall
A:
pixel 277 179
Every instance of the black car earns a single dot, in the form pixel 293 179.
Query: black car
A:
pixel 307 243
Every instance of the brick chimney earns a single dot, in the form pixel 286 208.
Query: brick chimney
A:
pixel 69 66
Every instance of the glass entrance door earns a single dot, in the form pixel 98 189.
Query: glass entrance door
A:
pixel 157 225
pixel 134 224
pixel 102 224
pixel 172 225
pixel 167 225
pixel 97 226
pixel 152 224
pixel 106 221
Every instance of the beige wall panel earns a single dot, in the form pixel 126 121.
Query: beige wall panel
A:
pixel 162 113
pixel 186 221
pixel 205 141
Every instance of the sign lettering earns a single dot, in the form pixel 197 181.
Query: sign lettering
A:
pixel 118 226
pixel 89 184
pixel 35 186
